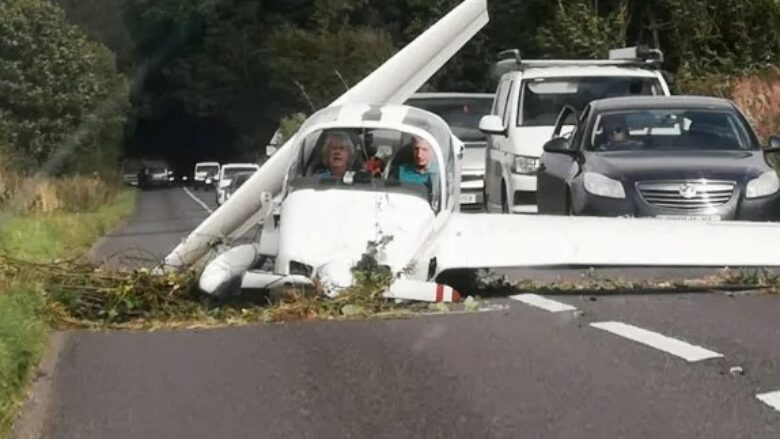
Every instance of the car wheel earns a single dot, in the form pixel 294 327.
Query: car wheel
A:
pixel 569 205
pixel 504 201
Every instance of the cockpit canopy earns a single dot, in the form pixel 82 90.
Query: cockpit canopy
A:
pixel 370 155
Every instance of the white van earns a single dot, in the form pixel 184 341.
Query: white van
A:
pixel 205 171
pixel 529 98
pixel 226 175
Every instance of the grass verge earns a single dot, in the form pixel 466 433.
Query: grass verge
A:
pixel 24 309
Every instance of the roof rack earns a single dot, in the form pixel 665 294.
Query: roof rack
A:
pixel 637 56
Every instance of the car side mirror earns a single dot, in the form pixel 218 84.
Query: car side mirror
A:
pixel 774 144
pixel 492 124
pixel 559 145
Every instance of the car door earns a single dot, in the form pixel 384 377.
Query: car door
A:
pixel 556 169
pixel 494 157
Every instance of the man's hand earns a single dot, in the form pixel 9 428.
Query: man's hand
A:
pixel 374 166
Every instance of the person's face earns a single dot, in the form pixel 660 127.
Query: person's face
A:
pixel 337 154
pixel 617 133
pixel 421 153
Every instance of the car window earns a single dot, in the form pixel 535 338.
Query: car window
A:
pixel 543 99
pixel 229 173
pixel 461 114
pixel 502 99
pixel 670 129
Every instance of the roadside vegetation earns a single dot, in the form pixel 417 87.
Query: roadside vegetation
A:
pixel 60 225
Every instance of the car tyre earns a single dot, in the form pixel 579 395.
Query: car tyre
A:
pixel 504 200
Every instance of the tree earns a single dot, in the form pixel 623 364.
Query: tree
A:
pixel 60 94
pixel 320 66
pixel 579 31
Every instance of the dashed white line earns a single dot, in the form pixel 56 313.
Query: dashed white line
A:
pixel 771 399
pixel 543 303
pixel 670 345
pixel 198 200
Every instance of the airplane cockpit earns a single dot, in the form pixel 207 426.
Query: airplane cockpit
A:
pixel 370 156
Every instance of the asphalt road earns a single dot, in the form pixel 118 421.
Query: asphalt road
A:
pixel 162 218
pixel 518 370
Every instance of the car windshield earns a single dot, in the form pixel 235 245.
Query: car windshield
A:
pixel 671 129
pixel 229 173
pixel 543 99
pixel 373 159
pixel 461 114
pixel 210 170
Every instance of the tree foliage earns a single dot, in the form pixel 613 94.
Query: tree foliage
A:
pixel 244 64
pixel 320 66
pixel 59 91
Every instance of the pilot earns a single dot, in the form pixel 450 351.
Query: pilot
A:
pixel 337 155
pixel 421 170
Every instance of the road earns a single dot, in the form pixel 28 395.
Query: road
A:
pixel 671 366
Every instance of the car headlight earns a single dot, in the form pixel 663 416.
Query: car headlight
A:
pixel 767 184
pixel 525 165
pixel 603 186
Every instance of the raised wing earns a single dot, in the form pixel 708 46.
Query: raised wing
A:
pixel 393 82
pixel 494 241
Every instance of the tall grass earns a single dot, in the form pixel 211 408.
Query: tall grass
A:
pixel 41 195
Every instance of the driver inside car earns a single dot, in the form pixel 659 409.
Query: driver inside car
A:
pixel 617 135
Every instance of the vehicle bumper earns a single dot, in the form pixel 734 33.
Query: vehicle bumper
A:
pixel 759 209
pixel 472 193
pixel 522 194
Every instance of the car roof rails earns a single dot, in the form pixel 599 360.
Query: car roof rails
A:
pixel 636 56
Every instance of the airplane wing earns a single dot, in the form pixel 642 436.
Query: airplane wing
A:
pixel 503 241
pixel 393 82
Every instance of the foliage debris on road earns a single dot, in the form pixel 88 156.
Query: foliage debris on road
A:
pixel 82 295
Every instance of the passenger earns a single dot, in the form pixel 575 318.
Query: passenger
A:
pixel 337 155
pixel 421 170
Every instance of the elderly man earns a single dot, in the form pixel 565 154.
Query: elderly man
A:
pixel 422 169
pixel 337 154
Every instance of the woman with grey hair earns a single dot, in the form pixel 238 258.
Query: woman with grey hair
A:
pixel 337 154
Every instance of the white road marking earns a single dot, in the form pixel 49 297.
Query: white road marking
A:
pixel 198 200
pixel 543 303
pixel 771 399
pixel 673 346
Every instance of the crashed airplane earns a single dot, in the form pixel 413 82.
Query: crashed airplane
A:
pixel 367 172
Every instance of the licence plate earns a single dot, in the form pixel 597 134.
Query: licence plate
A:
pixel 468 198
pixel 690 217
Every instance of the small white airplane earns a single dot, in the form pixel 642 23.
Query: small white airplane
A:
pixel 319 223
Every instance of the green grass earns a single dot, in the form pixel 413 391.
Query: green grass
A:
pixel 48 237
pixel 23 309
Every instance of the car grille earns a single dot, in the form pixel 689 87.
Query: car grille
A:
pixel 687 194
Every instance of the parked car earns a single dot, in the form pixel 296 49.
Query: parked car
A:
pixel 531 94
pixel 155 173
pixel 130 171
pixel 205 175
pixel 462 112
pixel 682 157
pixel 226 175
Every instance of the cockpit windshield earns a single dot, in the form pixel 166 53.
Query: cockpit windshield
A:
pixel 369 159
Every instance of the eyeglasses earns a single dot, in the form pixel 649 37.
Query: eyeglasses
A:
pixel 616 130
